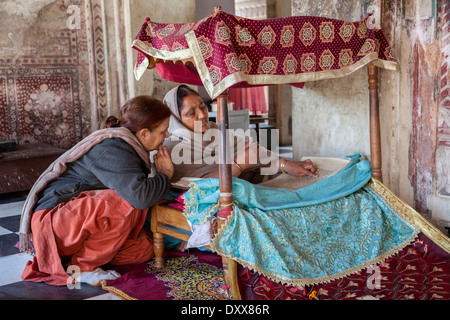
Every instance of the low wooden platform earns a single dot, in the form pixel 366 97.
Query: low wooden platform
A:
pixel 167 220
pixel 20 169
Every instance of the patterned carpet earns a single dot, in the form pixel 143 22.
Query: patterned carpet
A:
pixel 421 271
pixel 194 275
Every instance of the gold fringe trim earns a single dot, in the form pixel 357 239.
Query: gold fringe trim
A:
pixel 115 291
pixel 391 201
pixel 154 56
pixel 409 213
pixel 189 204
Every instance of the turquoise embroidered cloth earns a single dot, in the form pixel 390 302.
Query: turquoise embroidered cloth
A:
pixel 316 234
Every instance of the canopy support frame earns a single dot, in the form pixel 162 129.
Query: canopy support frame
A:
pixel 375 136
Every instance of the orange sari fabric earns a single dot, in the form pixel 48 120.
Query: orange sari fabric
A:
pixel 93 229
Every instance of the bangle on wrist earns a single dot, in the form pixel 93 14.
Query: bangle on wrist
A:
pixel 283 164
pixel 239 167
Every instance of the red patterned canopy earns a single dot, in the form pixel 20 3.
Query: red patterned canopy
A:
pixel 223 50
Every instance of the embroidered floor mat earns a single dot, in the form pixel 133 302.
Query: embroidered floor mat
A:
pixel 195 275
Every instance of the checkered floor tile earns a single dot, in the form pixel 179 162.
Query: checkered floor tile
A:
pixel 12 263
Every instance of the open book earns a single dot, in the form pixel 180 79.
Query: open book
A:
pixel 326 167
pixel 184 182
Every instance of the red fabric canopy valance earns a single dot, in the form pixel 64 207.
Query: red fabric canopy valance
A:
pixel 223 50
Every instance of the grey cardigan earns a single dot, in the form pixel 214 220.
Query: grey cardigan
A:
pixel 111 164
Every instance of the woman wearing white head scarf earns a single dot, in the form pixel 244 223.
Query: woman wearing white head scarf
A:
pixel 193 148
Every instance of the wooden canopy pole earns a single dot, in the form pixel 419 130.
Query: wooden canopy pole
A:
pixel 375 139
pixel 226 196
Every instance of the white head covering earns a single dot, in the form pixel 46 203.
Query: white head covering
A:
pixel 170 99
pixel 182 137
pixel 203 158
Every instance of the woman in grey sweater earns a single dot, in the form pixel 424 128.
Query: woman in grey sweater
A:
pixel 93 212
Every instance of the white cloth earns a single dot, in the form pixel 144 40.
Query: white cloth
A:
pixel 93 277
pixel 201 235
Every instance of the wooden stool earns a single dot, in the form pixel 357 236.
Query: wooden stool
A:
pixel 167 220
pixel 171 221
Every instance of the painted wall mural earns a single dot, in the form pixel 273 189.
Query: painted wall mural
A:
pixel 443 151
pixel 54 76
pixel 41 104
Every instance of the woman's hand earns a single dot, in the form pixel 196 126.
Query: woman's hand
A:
pixel 300 168
pixel 163 162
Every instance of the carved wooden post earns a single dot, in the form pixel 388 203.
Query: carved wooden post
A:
pixel 158 238
pixel 225 185
pixel 375 139
pixel 226 196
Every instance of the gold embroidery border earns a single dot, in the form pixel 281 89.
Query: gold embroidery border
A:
pixel 403 211
pixel 194 53
pixel 155 54
pixel 140 69
pixel 162 54
pixel 428 229
pixel 115 291
pixel 234 78
pixel 191 203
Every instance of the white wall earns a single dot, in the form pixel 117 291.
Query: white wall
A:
pixel 331 117
pixel 167 11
